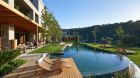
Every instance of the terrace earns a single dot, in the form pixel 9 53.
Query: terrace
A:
pixel 113 51
pixel 32 70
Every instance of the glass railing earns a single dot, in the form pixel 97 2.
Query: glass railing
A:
pixel 5 1
pixel 34 4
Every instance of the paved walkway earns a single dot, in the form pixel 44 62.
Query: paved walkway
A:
pixel 32 49
pixel 30 57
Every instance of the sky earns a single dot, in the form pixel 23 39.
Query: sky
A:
pixel 84 13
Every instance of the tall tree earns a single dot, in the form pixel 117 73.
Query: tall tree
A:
pixel 109 40
pixel 120 32
pixel 94 34
pixel 54 31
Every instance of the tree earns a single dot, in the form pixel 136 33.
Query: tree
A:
pixel 103 41
pixel 94 34
pixel 120 32
pixel 129 40
pixel 54 31
pixel 109 40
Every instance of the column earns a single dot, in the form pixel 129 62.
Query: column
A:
pixel 11 3
pixel 33 15
pixel 37 36
pixel 7 34
pixel 31 37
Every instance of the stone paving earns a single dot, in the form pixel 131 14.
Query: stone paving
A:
pixel 30 57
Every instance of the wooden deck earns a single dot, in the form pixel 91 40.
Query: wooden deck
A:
pixel 31 70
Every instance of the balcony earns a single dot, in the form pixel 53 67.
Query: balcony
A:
pixel 5 1
pixel 23 8
pixel 35 3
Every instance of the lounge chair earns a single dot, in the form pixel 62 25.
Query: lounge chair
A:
pixel 49 67
pixel 125 51
pixel 55 61
pixel 129 51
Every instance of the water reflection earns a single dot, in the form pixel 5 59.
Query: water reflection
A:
pixel 119 56
pixel 95 62
pixel 78 48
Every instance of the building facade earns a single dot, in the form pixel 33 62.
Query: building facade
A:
pixel 20 20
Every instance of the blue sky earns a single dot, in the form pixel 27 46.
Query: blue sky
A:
pixel 83 13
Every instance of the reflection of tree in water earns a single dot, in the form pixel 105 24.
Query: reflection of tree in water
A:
pixel 67 49
pixel 120 57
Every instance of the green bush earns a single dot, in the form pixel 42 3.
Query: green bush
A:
pixel 8 67
pixel 122 74
pixel 8 55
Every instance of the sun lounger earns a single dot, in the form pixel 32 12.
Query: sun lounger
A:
pixel 125 51
pixel 49 67
pixel 129 51
pixel 55 61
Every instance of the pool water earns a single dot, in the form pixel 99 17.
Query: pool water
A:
pixel 93 62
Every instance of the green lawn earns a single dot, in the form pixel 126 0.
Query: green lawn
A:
pixel 50 48
pixel 98 46
pixel 134 58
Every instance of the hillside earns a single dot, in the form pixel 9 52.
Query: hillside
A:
pixel 109 30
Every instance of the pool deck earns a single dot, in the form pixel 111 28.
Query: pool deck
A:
pixel 31 70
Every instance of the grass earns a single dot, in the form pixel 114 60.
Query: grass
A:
pixel 135 58
pixel 50 48
pixel 10 66
pixel 98 46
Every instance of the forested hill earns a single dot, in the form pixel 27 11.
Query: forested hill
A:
pixel 132 31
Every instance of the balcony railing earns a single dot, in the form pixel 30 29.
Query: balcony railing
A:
pixel 5 1
pixel 35 5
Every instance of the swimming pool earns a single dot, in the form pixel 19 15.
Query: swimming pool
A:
pixel 95 62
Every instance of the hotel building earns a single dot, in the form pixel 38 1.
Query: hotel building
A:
pixel 20 20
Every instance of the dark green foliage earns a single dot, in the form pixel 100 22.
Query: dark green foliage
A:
pixel 120 33
pixel 122 74
pixel 109 30
pixel 94 35
pixel 129 40
pixel 8 55
pixel 54 32
pixel 109 40
pixel 8 67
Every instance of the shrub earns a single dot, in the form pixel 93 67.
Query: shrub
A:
pixel 122 74
pixel 8 67
pixel 8 55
